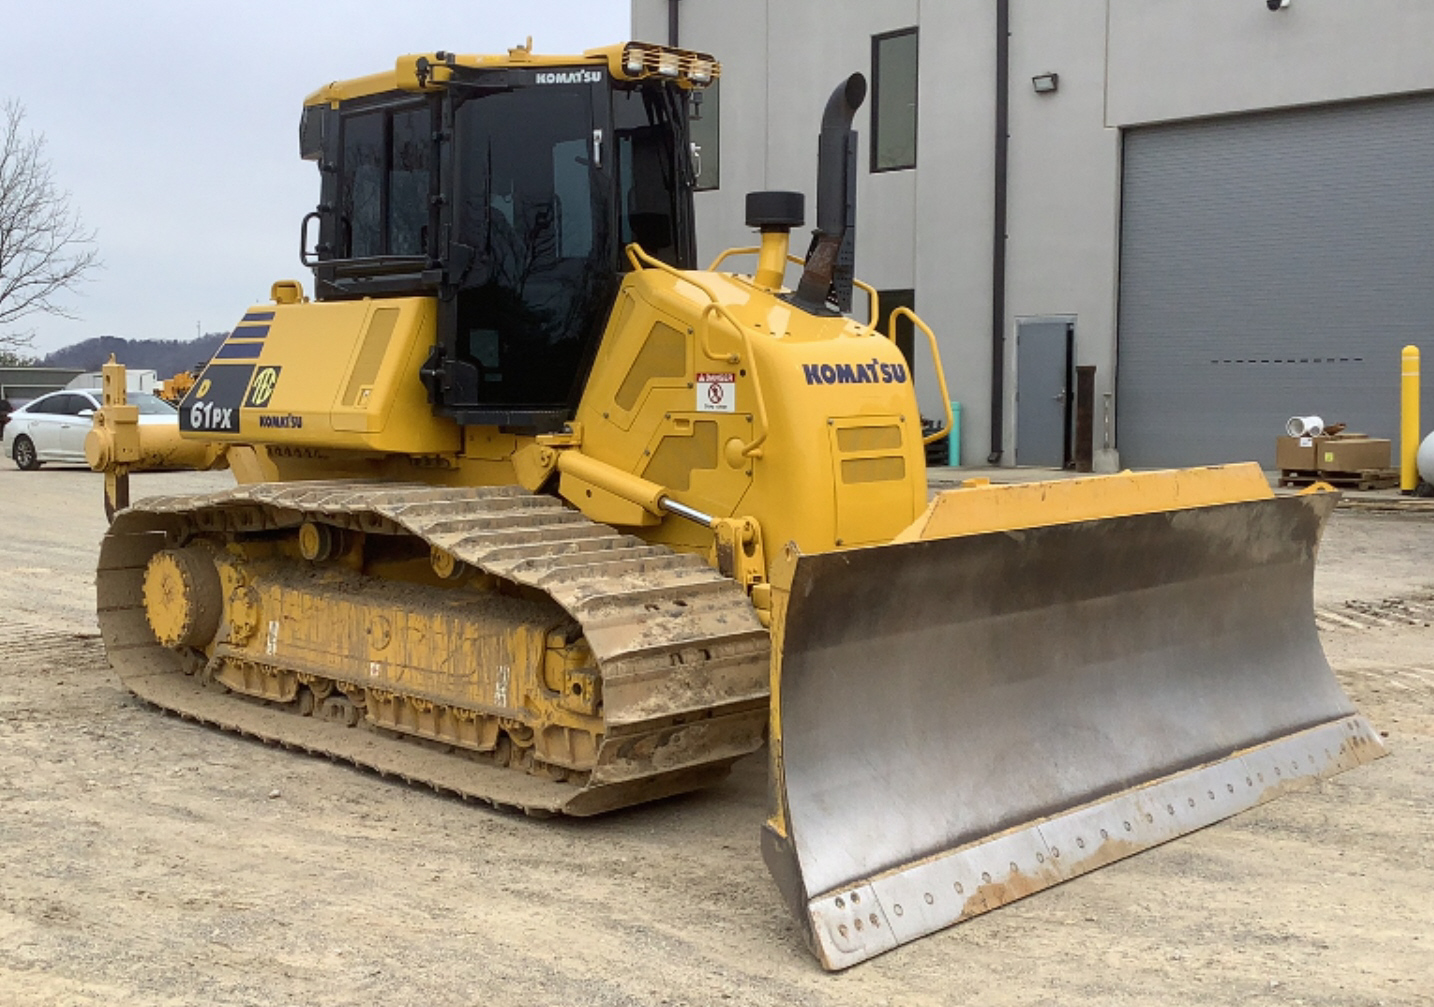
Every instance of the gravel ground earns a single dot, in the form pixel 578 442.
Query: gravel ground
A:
pixel 150 861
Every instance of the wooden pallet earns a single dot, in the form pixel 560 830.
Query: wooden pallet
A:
pixel 1365 479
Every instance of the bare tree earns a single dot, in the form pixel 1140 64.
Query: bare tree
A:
pixel 45 250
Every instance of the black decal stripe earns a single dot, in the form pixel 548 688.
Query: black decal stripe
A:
pixel 224 386
pixel 239 351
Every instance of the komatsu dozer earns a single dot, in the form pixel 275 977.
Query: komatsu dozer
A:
pixel 532 510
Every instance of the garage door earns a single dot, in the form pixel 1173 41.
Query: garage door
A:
pixel 1273 265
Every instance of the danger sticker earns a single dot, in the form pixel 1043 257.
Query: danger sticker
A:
pixel 717 393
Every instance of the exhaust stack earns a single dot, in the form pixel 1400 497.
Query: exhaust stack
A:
pixel 829 266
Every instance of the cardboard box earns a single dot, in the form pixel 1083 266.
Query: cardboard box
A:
pixel 1295 454
pixel 1352 454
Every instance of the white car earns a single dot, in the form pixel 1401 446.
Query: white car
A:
pixel 52 428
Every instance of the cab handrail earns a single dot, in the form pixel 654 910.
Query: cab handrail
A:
pixel 905 312
pixel 641 259
pixel 873 299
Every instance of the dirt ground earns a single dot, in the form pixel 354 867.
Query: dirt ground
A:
pixel 150 861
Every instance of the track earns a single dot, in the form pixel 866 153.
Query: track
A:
pixel 682 657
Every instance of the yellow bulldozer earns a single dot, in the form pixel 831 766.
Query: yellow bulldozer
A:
pixel 531 509
pixel 174 389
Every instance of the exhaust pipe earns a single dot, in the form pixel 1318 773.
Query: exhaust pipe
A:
pixel 829 266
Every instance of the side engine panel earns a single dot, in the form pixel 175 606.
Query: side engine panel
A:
pixel 338 374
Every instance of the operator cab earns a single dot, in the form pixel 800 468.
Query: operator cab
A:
pixel 508 189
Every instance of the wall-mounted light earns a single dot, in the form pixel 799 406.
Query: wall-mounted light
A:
pixel 1277 4
pixel 1046 83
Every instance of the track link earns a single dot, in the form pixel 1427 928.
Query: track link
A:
pixel 682 656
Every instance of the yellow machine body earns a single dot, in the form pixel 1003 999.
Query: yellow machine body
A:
pixel 742 404
pixel 732 400
pixel 728 542
pixel 175 388
pixel 336 376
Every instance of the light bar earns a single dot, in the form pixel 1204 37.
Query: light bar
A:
pixel 643 59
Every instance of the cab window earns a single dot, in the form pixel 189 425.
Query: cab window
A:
pixel 384 182
pixel 647 172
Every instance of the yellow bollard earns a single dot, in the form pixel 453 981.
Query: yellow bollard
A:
pixel 1409 421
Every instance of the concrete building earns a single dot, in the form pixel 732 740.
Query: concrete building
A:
pixel 19 385
pixel 1226 209
pixel 137 379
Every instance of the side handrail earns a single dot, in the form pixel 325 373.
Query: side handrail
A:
pixel 640 259
pixel 747 250
pixel 905 312
pixel 873 300
pixel 752 449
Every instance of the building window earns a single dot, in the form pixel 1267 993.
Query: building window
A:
pixel 704 129
pixel 893 100
pixel 890 300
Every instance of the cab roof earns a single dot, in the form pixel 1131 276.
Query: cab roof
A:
pixel 431 71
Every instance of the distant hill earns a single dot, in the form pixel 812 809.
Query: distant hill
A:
pixel 164 356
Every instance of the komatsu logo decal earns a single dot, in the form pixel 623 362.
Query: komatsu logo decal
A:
pixel 290 421
pixel 874 373
pixel 569 77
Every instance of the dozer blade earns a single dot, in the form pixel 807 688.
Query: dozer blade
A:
pixel 991 706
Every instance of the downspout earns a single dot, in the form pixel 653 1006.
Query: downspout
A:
pixel 998 242
pixel 672 23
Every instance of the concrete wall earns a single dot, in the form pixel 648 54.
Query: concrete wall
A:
pixel 710 27
pixel 1182 59
pixel 780 61
pixel 1064 187
pixel 774 86
pixel 1122 63
pixel 955 178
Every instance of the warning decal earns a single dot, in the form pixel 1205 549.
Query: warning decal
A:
pixel 717 393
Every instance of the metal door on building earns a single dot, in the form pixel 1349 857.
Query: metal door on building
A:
pixel 1044 350
pixel 1272 265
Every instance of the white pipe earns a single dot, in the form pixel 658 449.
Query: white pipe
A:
pixel 1304 426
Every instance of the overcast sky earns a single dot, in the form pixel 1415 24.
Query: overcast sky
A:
pixel 174 126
